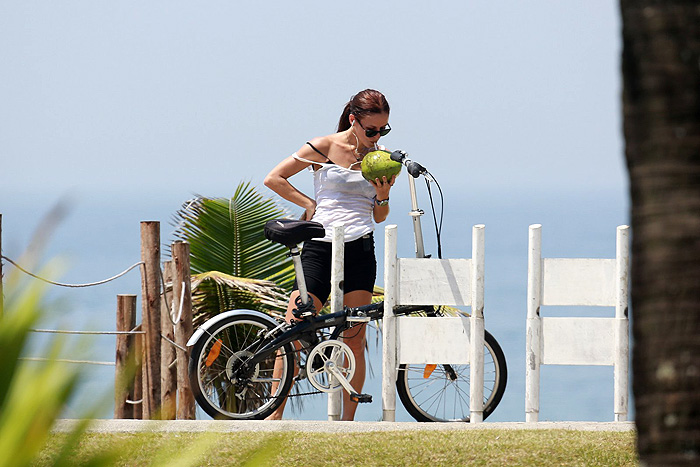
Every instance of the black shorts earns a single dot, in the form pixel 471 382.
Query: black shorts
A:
pixel 360 266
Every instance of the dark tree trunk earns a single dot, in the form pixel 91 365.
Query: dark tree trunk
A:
pixel 661 69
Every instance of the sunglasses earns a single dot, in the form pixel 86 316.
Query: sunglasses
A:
pixel 383 131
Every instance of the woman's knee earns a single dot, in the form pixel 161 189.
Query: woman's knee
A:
pixel 291 306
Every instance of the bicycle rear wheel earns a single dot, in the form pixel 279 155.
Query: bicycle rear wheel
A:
pixel 219 385
pixel 440 393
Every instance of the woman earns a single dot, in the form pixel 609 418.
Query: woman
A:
pixel 342 196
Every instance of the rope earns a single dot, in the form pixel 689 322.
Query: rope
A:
pixel 171 305
pixel 71 285
pixel 174 343
pixel 179 313
pixel 90 362
pixel 56 331
pixel 140 401
pixel 164 294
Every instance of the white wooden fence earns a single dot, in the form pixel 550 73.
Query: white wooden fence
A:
pixel 429 281
pixel 335 399
pixel 577 341
pixel 460 282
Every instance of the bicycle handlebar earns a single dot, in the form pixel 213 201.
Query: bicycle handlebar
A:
pixel 412 167
pixel 373 311
pixel 376 310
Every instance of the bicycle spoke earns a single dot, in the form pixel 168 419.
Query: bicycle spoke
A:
pixel 443 393
pixel 225 385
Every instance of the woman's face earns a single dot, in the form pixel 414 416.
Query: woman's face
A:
pixel 373 122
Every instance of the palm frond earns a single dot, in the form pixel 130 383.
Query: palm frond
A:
pixel 227 241
pixel 227 235
pixel 214 292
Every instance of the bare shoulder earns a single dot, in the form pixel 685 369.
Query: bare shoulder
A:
pixel 322 143
pixel 318 149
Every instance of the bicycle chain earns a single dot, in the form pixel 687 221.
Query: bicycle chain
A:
pixel 297 359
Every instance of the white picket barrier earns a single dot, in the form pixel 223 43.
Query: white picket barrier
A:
pixel 335 399
pixel 577 341
pixel 428 281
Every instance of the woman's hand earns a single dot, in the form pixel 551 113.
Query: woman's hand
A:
pixel 383 186
pixel 380 212
pixel 277 181
pixel 310 211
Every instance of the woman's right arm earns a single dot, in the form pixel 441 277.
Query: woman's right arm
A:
pixel 277 181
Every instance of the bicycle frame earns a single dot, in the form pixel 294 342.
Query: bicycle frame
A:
pixel 338 320
pixel 298 331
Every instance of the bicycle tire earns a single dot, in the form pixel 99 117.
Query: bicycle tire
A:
pixel 432 396
pixel 210 368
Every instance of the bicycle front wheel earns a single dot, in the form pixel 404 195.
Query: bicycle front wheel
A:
pixel 219 384
pixel 440 393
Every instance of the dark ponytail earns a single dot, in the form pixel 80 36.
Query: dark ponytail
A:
pixel 344 122
pixel 361 104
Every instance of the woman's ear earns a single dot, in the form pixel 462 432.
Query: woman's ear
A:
pixel 351 117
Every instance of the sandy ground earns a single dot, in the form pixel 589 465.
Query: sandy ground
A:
pixel 131 426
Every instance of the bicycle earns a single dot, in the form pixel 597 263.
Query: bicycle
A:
pixel 233 371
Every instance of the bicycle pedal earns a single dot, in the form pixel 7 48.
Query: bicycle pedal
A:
pixel 360 398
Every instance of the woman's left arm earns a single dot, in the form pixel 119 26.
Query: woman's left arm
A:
pixel 381 201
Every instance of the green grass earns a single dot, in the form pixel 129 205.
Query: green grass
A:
pixel 473 447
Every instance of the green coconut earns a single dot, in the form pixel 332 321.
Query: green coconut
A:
pixel 378 164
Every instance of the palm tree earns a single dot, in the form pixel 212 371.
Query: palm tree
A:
pixel 233 265
pixel 661 97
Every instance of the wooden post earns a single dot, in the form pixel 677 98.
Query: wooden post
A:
pixel 150 317
pixel 533 350
pixel 389 364
pixel 182 300
pixel 476 368
pixel 168 370
pixel 622 336
pixel 335 399
pixel 126 358
pixel 137 397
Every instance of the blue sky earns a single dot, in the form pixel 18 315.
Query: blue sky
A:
pixel 130 98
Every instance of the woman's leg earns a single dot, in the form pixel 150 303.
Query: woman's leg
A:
pixel 277 372
pixel 355 339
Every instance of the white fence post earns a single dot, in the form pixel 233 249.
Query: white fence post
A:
pixel 476 357
pixel 577 340
pixel 430 281
pixel 621 355
pixel 389 366
pixel 337 270
pixel 533 347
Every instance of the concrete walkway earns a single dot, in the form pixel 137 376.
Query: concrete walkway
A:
pixel 132 426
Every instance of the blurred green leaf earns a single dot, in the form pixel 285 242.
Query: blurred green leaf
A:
pixel 32 394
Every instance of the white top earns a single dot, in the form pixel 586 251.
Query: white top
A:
pixel 343 197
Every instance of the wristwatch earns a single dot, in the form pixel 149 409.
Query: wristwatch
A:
pixel 382 202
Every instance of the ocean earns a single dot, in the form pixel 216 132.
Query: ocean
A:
pixel 99 237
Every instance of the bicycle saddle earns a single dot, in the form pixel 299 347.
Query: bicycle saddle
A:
pixel 290 232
